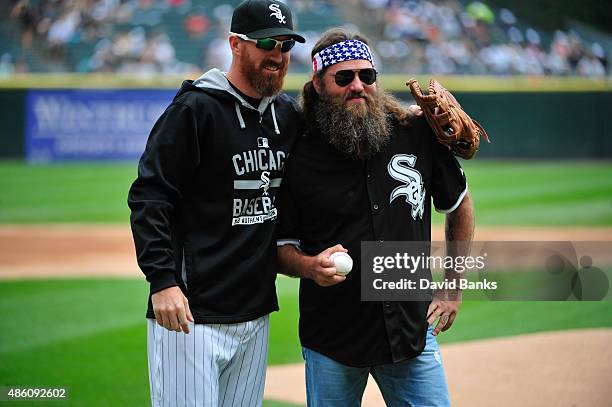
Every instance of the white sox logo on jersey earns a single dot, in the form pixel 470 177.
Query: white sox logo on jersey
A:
pixel 401 168
pixel 265 182
pixel 277 13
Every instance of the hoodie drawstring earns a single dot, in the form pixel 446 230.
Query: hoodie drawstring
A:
pixel 276 130
pixel 240 119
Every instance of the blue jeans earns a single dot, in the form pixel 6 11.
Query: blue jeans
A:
pixel 417 382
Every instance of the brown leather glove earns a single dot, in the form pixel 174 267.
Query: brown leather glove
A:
pixel 452 126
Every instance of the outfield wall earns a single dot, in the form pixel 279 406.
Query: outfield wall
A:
pixel 45 125
pixel 12 122
pixel 542 124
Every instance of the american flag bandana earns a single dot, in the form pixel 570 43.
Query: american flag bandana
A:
pixel 343 51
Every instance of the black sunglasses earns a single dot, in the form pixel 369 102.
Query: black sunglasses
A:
pixel 268 44
pixel 346 76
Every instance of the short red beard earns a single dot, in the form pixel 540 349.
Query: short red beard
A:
pixel 263 81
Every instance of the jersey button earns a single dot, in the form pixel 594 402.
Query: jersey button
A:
pixel 375 206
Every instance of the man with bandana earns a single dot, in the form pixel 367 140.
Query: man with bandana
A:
pixel 342 187
pixel 203 218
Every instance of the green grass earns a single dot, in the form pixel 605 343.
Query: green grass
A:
pixel 505 193
pixel 65 193
pixel 480 320
pixel 284 339
pixel 540 193
pixel 89 334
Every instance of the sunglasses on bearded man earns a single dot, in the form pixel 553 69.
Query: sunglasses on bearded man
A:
pixel 268 44
pixel 345 76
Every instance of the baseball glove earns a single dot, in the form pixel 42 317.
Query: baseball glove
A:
pixel 452 126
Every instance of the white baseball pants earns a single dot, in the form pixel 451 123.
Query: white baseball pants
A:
pixel 215 365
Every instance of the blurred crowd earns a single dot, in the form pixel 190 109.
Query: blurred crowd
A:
pixel 130 35
pixel 445 37
pixel 451 38
pixel 117 35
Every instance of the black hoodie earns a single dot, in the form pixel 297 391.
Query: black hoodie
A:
pixel 203 205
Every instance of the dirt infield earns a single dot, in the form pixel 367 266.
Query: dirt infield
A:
pixel 66 250
pixel 103 250
pixel 560 369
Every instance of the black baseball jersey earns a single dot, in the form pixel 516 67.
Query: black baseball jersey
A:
pixel 203 205
pixel 327 198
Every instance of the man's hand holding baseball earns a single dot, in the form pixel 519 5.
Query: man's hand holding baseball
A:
pixel 171 309
pixel 321 269
pixel 444 305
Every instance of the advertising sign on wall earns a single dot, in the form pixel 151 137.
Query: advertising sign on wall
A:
pixel 70 125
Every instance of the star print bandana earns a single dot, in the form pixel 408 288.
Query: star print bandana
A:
pixel 343 51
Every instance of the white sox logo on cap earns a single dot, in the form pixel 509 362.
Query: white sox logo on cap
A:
pixel 277 13
pixel 258 19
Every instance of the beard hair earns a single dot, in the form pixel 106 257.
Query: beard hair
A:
pixel 264 82
pixel 355 130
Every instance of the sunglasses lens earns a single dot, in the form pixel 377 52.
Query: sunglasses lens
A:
pixel 287 45
pixel 267 44
pixel 367 76
pixel 344 77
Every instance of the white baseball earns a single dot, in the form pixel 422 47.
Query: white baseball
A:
pixel 343 263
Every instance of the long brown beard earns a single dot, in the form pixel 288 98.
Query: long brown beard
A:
pixel 264 82
pixel 354 130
